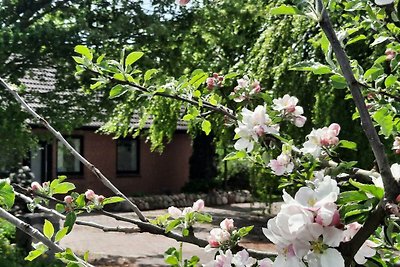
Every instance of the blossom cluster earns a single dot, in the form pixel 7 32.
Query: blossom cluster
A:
pixel 321 138
pixel 177 213
pixel 41 188
pixel 253 125
pixel 240 259
pixel 287 106
pixel 308 228
pixel 221 237
pixel 215 81
pixel 245 89
pixel 282 164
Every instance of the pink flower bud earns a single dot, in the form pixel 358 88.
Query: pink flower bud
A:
pixel 227 225
pixel 89 194
pixel 68 199
pixel 299 121
pixel 174 212
pixel 213 243
pixel 198 205
pixel 100 198
pixel 397 151
pixel 390 54
pixel 182 2
pixel 215 75
pixel 398 199
pixel 36 186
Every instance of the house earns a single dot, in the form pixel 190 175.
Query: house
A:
pixel 128 163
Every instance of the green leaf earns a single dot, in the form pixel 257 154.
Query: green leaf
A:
pixel 338 81
pixel 188 117
pixel 7 196
pixel 231 75
pixel 356 39
pixel 315 67
pixel 171 260
pixel 285 10
pixel 70 221
pixel 133 57
pixel 348 144
pixel 245 230
pixel 172 225
pixel 235 155
pixel 34 254
pixel 84 51
pixel 390 80
pixel 368 188
pixel 149 74
pixel 379 40
pixel 206 127
pixel 61 233
pixel 197 93
pixel 117 91
pixel 373 73
pixel 86 256
pixel 119 76
pixel 78 60
pixel 201 217
pixel 111 200
pixel 48 229
pixel 385 120
pixel 351 196
pixel 95 85
pixel 100 58
pixel 63 188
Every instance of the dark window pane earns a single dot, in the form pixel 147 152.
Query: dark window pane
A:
pixel 66 162
pixel 127 156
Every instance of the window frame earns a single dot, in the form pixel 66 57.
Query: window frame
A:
pixel 81 151
pixel 130 172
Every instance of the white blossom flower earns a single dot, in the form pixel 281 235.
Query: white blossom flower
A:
pixel 253 125
pixel 281 165
pixel 383 2
pixel 324 137
pixel 243 259
pixel 326 258
pixel 395 169
pixel 222 260
pixel 287 106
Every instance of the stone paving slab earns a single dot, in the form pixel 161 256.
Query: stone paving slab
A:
pixel 144 249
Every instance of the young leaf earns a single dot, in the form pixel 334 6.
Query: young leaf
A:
pixel 84 51
pixel 60 234
pixel 48 229
pixel 149 74
pixel 368 188
pixel 285 10
pixel 63 188
pixel 206 127
pixel 70 221
pixel 111 200
pixel 117 91
pixel 172 225
pixel 133 57
pixel 348 144
pixel 7 196
pixel 315 67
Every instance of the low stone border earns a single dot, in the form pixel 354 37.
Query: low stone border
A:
pixel 214 198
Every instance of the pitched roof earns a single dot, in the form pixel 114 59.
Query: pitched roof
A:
pixel 43 81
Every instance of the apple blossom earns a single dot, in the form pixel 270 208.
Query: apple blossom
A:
pixel 36 186
pixel 215 81
pixel 182 2
pixel 253 125
pixel 395 169
pixel 227 225
pixel 390 54
pixel 68 199
pixel 221 260
pixel 243 259
pixel 100 198
pixel 245 89
pixel 89 194
pixel 287 106
pixel 218 237
pixel 198 205
pixel 383 2
pixel 282 164
pixel 319 138
pixel 265 262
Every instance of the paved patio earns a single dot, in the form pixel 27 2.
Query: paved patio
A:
pixel 144 249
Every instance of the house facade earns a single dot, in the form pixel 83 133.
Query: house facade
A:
pixel 128 163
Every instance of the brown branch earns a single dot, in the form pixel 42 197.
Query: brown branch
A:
pixel 192 239
pixel 75 153
pixel 390 185
pixel 78 222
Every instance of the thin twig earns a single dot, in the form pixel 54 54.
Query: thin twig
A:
pixel 75 153
pixel 78 222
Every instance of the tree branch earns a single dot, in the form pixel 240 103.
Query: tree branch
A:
pixel 390 185
pixel 75 153
pixel 36 234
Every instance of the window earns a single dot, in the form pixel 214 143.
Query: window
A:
pixel 66 162
pixel 127 156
